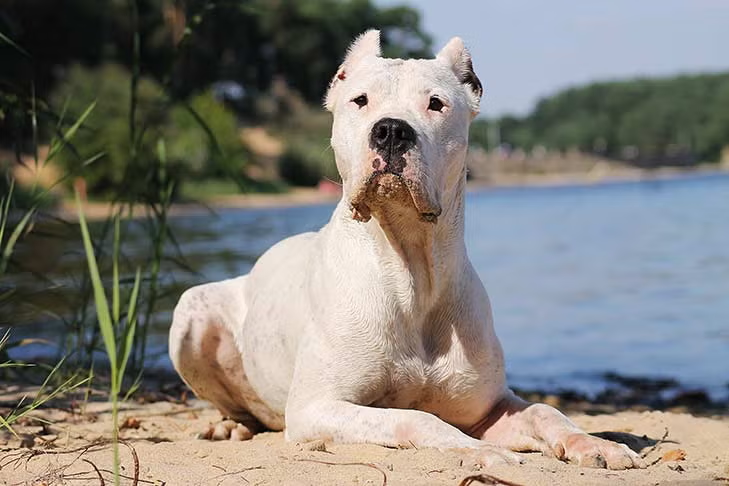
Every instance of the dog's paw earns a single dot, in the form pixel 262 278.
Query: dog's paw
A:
pixel 490 455
pixel 226 430
pixel 588 451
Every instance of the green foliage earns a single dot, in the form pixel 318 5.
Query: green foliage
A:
pixel 191 145
pixel 182 49
pixel 308 157
pixel 107 129
pixel 674 120
pixel 305 162
pixel 188 45
pixel 202 134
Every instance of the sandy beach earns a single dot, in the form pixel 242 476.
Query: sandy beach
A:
pixel 70 444
pixel 160 448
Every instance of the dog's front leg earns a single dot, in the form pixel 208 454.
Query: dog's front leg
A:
pixel 523 426
pixel 345 422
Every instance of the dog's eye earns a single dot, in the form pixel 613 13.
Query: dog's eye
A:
pixel 360 100
pixel 435 104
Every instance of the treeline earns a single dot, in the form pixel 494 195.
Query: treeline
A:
pixel 182 75
pixel 674 121
pixel 186 45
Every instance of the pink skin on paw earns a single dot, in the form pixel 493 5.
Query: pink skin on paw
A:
pixel 589 451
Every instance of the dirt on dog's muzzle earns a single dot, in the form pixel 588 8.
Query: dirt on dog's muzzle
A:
pixel 385 188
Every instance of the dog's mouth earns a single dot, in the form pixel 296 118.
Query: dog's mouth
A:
pixel 383 188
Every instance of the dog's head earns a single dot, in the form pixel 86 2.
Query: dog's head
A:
pixel 400 129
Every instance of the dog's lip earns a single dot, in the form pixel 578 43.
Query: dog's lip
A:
pixel 378 174
pixel 361 211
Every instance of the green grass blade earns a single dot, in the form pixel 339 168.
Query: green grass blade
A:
pixel 51 373
pixel 6 295
pixel 34 127
pixel 5 210
pixel 70 174
pixel 115 271
pixel 6 424
pixel 10 42
pixel 4 340
pixel 13 364
pixel 40 399
pixel 106 326
pixel 13 239
pixel 64 387
pixel 133 388
pixel 131 328
pixel 58 144
pixel 62 114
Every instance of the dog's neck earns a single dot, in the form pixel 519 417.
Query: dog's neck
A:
pixel 420 258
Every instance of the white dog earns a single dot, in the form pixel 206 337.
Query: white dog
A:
pixel 376 328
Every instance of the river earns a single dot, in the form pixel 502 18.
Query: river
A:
pixel 630 278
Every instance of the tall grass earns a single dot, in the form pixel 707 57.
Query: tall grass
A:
pixel 117 321
pixel 47 391
pixel 117 330
pixel 158 230
pixel 9 245
pixel 123 307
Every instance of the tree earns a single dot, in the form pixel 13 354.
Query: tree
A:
pixel 679 120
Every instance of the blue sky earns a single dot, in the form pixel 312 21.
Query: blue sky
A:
pixel 526 49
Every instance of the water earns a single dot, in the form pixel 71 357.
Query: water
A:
pixel 630 278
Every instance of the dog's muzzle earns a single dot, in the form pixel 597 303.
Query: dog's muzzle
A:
pixel 392 138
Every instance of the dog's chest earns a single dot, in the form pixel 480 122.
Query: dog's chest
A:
pixel 447 388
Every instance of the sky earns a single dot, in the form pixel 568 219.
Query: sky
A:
pixel 524 50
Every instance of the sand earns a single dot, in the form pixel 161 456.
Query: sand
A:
pixel 168 453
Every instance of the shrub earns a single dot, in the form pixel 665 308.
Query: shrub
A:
pixel 306 161
pixel 205 145
pixel 190 142
pixel 107 128
pixel 308 157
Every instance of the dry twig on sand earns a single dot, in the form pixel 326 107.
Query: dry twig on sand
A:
pixel 101 478
pixel 654 447
pixel 16 457
pixel 486 479
pixel 227 474
pixel 366 464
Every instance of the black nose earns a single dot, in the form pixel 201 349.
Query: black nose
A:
pixel 391 138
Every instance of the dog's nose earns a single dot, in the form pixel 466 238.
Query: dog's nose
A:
pixel 391 138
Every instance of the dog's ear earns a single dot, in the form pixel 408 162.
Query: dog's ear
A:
pixel 364 46
pixel 458 58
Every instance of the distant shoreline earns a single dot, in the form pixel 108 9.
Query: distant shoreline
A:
pixel 611 175
pixel 304 196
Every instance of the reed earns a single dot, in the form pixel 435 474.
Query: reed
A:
pixel 117 329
